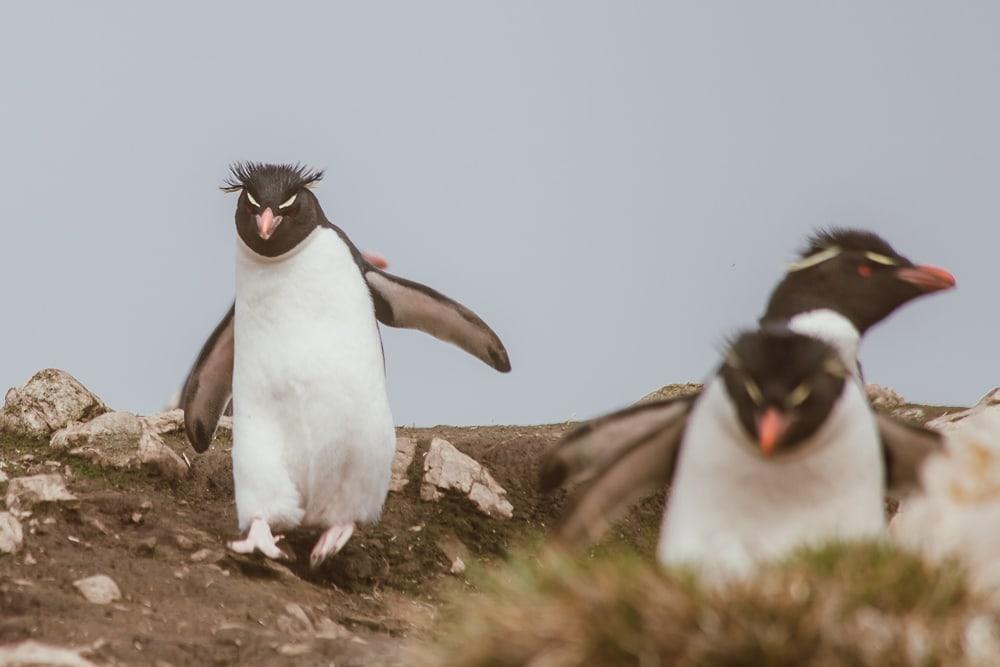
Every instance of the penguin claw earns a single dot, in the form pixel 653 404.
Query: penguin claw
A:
pixel 259 538
pixel 329 543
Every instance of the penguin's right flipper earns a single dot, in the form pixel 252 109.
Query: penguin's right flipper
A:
pixel 407 304
pixel 209 385
pixel 616 460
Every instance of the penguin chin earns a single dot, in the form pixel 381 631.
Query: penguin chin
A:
pixel 291 252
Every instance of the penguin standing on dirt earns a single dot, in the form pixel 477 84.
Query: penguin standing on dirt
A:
pixel 844 282
pixel 300 355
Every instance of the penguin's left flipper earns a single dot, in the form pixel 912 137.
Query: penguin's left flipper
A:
pixel 905 447
pixel 616 461
pixel 209 385
pixel 403 303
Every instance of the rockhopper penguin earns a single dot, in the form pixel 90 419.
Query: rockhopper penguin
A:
pixel 300 354
pixel 844 282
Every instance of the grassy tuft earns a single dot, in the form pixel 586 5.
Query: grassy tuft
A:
pixel 844 604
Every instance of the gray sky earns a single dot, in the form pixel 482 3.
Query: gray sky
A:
pixel 614 186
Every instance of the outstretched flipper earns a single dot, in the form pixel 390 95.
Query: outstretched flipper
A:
pixel 209 385
pixel 905 448
pixel 403 303
pixel 617 460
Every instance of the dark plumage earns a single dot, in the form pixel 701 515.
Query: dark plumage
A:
pixel 847 239
pixel 284 177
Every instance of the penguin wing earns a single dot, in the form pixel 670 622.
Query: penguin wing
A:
pixel 617 460
pixel 209 385
pixel 905 448
pixel 403 303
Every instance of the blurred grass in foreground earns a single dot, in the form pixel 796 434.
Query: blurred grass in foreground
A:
pixel 845 604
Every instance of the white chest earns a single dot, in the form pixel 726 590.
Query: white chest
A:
pixel 312 430
pixel 730 508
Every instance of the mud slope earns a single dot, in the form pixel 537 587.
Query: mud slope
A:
pixel 185 601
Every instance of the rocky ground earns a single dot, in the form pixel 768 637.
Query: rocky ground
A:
pixel 118 499
pixel 112 542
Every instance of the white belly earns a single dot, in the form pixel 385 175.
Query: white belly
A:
pixel 730 509
pixel 313 436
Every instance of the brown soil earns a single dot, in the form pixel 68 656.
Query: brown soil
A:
pixel 185 605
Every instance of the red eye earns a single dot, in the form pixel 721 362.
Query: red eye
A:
pixel 865 271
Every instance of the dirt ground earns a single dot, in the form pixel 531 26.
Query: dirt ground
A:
pixel 187 601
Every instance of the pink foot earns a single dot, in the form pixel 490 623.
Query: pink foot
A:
pixel 259 538
pixel 330 542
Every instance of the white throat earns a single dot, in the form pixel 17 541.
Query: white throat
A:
pixel 833 328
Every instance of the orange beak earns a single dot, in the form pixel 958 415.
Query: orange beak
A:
pixel 267 222
pixel 927 278
pixel 771 428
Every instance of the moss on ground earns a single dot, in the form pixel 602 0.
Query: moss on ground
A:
pixel 845 604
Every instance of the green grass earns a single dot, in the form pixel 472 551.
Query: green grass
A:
pixel 859 604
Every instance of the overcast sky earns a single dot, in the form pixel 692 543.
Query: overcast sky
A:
pixel 614 186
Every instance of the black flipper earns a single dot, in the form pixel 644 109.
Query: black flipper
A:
pixel 209 385
pixel 403 303
pixel 905 448
pixel 617 459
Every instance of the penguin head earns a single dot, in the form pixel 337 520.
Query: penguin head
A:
pixel 855 273
pixel 276 210
pixel 783 386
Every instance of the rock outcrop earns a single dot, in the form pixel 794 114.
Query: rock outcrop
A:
pixel 120 440
pixel 50 400
pixel 447 469
pixel 23 493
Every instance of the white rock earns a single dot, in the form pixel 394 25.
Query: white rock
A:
pixel 446 468
pixel 120 440
pixel 884 398
pixel 458 566
pixel 982 421
pixel 162 423
pixel 11 535
pixel 958 513
pixel 33 653
pixel 172 421
pixel 23 493
pixel 405 449
pixel 99 589
pixel 50 400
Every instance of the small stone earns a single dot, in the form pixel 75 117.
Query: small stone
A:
pixel 203 555
pixel 294 650
pixel 99 589
pixel 11 534
pixel 29 559
pixel 458 566
pixel 23 493
pixel 405 449
pixel 146 545
pixel 184 542
pixel 34 653
pixel 136 517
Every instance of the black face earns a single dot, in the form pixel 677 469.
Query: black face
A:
pixel 276 211
pixel 783 385
pixel 855 273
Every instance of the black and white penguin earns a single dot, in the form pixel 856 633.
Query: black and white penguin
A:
pixel 781 450
pixel 844 282
pixel 301 356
